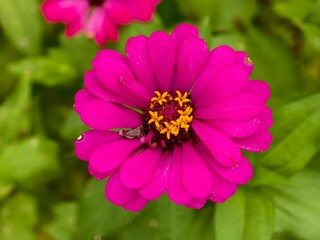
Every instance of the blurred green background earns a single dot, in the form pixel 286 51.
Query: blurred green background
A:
pixel 46 192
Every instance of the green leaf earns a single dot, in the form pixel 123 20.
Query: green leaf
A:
pixel 298 208
pixel 229 217
pixel 202 225
pixel 72 127
pixel 18 216
pixel 266 177
pixel 80 51
pixel 294 9
pixel 96 215
pixel 36 156
pixel 174 220
pixel 64 223
pixel 259 215
pixel 15 119
pixel 54 69
pixel 8 54
pixel 21 22
pixel 247 215
pixel 296 131
pixel 274 63
pixel 5 189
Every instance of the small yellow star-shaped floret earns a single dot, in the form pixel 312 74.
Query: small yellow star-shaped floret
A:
pixel 155 118
pixel 161 98
pixel 181 99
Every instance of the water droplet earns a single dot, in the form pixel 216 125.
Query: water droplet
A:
pixel 153 223
pixel 97 237
pixel 80 138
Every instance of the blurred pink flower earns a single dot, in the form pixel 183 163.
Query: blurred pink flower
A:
pixel 171 116
pixel 98 19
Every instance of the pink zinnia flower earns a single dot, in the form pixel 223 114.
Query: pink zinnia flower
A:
pixel 172 116
pixel 99 19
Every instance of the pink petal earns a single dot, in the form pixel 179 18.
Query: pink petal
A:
pixel 102 36
pixel 96 25
pixel 159 182
pixel 136 204
pixel 259 88
pixel 240 174
pixel 138 170
pixel 193 56
pixel 222 189
pixel 96 88
pixel 225 83
pixel 241 106
pixel 108 52
pixel 72 13
pixel 236 129
pixel 139 61
pixel 220 146
pixel 90 140
pixel 175 189
pixel 216 200
pixel 219 58
pixel 116 76
pixel 82 97
pixel 100 175
pixel 197 203
pixel 103 115
pixel 109 156
pixel 255 143
pixel 196 176
pixel 117 193
pixel 162 54
pixel 242 58
pixel 266 118
pixel 184 32
pixel 123 12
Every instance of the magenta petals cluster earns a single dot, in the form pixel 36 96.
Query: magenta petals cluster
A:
pixel 172 116
pixel 98 19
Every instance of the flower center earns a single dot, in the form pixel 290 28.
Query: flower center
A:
pixel 96 2
pixel 168 118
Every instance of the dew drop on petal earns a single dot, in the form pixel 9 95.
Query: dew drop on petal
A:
pixel 80 138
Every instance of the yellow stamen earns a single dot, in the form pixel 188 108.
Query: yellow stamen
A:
pixel 170 129
pixel 186 112
pixel 181 99
pixel 161 98
pixel 155 118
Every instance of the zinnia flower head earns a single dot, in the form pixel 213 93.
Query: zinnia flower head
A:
pixel 172 116
pixel 98 19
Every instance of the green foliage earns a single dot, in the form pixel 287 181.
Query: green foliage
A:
pixel 45 192
pixel 250 215
pixel 173 219
pixel 22 24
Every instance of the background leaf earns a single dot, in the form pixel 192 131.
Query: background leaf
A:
pixel 22 24
pixel 298 209
pixel 173 220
